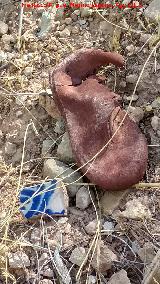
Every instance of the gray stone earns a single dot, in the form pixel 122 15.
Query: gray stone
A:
pixel 155 122
pixel 36 236
pixel 103 258
pixel 78 256
pixel 54 47
pixel 147 253
pixel 1 137
pixel 105 27
pixel 77 12
pixel 92 279
pixel 3 28
pixel 68 21
pixel 132 78
pixel 82 22
pixel 45 24
pixel 47 272
pixel 153 10
pixel 152 273
pixel 158 81
pixel 126 2
pixel 145 37
pixel 130 49
pixel 44 258
pixel 134 98
pixel 60 126
pixel 110 200
pixel 54 168
pixel 46 147
pixel 46 281
pixel 7 47
pixel 18 260
pixel 123 84
pixel 3 56
pixel 91 227
pixel 64 274
pixel 64 150
pixel 109 227
pixel 136 210
pixel 86 12
pixel 148 108
pixel 10 148
pixel 74 16
pixel 135 246
pixel 83 199
pixel 61 27
pixel 17 157
pixel 65 33
pixel 156 103
pixel 136 113
pixel 28 70
pixel 75 30
pixel 119 277
pixel 19 113
pixel 7 39
pixel 76 212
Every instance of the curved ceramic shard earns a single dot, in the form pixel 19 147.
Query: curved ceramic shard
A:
pixel 48 198
pixel 93 113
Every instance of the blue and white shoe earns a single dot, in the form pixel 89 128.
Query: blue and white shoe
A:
pixel 49 198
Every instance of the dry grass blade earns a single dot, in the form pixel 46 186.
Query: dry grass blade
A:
pixel 20 24
pixel 152 270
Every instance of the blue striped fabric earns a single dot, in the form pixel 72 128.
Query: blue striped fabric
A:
pixel 46 198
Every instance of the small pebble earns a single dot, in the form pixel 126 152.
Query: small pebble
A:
pixel 83 199
pixel 45 281
pixel 59 127
pixel 3 28
pixel 91 227
pixel 86 12
pixel 47 147
pixel 68 21
pixel 158 81
pixel 74 17
pixel 54 47
pixel 130 49
pixel 78 256
pixel 156 103
pixel 109 227
pixel 3 56
pixel 136 113
pixel 61 28
pixel 18 260
pixel 76 12
pixel 148 108
pixel 155 122
pixel 28 70
pixel 75 30
pixel 82 22
pixel 6 39
pixel 66 32
pixel 7 47
pixel 134 98
pixel 10 148
pixel 123 84
pixel 144 37
pixel 92 279
pixel 132 78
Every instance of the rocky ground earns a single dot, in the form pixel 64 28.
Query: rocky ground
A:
pixel 120 230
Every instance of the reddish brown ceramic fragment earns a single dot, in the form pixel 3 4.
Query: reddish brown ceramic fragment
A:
pixel 93 113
